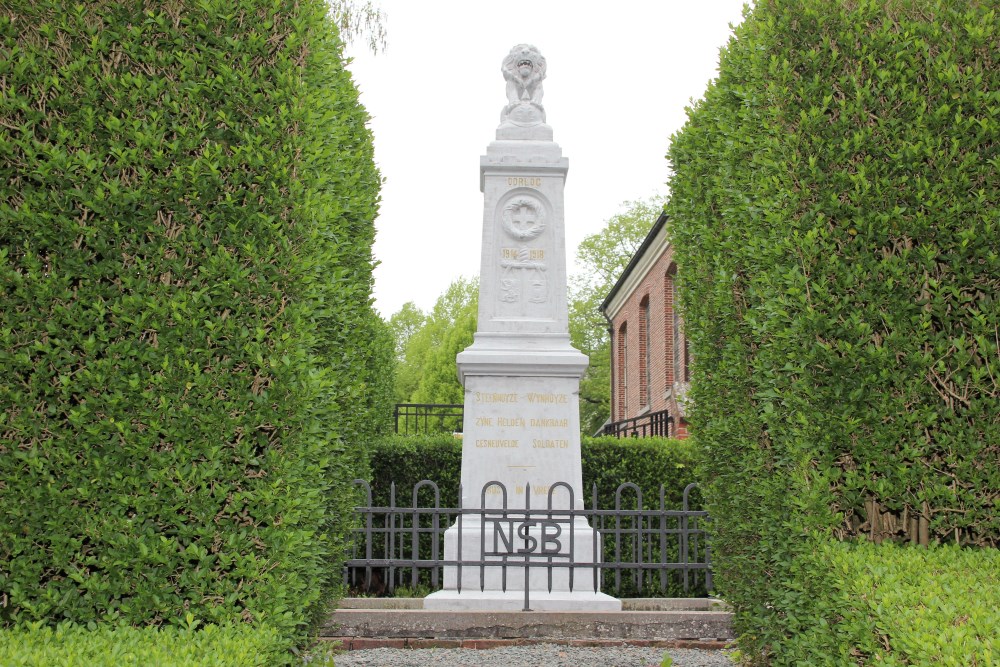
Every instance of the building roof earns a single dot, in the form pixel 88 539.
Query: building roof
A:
pixel 640 263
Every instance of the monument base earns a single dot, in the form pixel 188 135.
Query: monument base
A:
pixel 514 601
pixel 560 568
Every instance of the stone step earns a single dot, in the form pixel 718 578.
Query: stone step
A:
pixel 640 621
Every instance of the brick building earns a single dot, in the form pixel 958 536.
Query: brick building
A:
pixel 650 357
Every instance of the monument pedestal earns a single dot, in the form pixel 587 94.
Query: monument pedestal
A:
pixel 500 586
pixel 518 538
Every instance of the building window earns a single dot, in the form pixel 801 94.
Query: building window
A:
pixel 680 343
pixel 622 390
pixel 670 326
pixel 645 367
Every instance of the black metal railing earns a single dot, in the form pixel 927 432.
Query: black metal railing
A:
pixel 414 418
pixel 654 424
pixel 647 551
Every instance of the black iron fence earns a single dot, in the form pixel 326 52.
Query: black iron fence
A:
pixel 643 552
pixel 414 418
pixel 654 424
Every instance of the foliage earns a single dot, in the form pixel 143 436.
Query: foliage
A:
pixel 603 256
pixel 68 645
pixel 427 373
pixel 404 323
pixel 185 267
pixel 901 605
pixel 607 464
pixel 647 462
pixel 834 207
pixel 906 606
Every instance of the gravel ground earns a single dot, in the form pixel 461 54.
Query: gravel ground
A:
pixel 539 655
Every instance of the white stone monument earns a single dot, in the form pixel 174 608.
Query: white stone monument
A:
pixel 522 380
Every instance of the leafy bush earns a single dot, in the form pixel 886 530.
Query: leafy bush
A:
pixel 406 460
pixel 607 462
pixel 187 203
pixel 835 213
pixel 905 606
pixel 67 645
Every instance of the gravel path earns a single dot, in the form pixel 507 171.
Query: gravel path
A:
pixel 539 655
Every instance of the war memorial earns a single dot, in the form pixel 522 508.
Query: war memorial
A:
pixel 518 542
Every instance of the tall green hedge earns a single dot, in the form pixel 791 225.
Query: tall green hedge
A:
pixel 835 213
pixel 186 207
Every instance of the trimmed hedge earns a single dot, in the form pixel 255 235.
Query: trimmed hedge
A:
pixel 185 247
pixel 607 462
pixel 70 645
pixel 835 213
pixel 902 606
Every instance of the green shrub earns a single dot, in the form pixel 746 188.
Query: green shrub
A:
pixel 902 605
pixel 607 462
pixel 834 207
pixel 185 230
pixel 68 645
pixel 648 463
pixel 406 460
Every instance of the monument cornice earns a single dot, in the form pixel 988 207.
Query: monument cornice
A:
pixel 521 168
pixel 513 363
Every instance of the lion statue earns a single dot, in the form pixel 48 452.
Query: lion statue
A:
pixel 524 69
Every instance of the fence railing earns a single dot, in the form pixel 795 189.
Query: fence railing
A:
pixel 644 552
pixel 414 418
pixel 654 424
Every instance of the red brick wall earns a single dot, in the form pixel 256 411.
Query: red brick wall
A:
pixel 630 396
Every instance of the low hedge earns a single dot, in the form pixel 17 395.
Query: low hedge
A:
pixel 607 462
pixel 69 645
pixel 902 605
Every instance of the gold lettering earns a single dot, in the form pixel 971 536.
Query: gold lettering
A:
pixel 550 423
pixel 494 397
pixel 518 181
pixel 549 444
pixel 548 398
pixel 484 421
pixel 502 443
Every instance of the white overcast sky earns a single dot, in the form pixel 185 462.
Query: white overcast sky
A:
pixel 620 74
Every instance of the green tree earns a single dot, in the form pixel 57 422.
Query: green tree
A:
pixel 404 323
pixel 604 256
pixel 427 373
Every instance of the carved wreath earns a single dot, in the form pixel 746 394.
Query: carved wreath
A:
pixel 523 218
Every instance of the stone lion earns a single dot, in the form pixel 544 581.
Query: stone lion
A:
pixel 524 69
